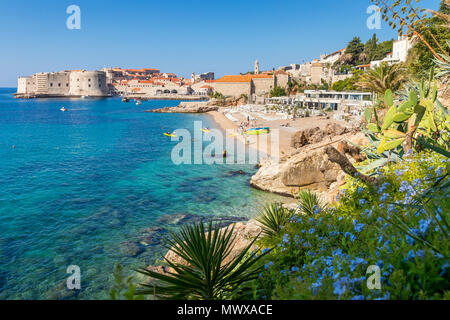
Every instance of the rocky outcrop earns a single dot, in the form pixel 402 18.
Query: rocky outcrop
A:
pixel 187 107
pixel 316 135
pixel 244 232
pixel 307 168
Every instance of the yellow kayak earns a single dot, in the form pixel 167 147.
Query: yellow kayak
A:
pixel 170 135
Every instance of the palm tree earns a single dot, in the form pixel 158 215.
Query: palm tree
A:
pixel 382 78
pixel 206 273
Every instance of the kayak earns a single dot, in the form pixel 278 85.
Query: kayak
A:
pixel 170 135
pixel 258 131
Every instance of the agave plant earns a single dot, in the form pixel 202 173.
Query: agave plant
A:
pixel 309 203
pixel 206 274
pixel 274 218
pixel 443 66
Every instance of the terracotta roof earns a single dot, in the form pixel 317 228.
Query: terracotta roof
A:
pixel 243 78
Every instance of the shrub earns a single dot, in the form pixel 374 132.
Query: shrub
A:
pixel 326 255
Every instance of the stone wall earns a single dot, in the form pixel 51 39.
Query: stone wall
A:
pixel 232 89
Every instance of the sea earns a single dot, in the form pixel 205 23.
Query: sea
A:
pixel 84 190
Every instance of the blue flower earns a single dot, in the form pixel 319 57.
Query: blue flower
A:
pixel 410 255
pixel 384 197
pixel 399 172
pixel 358 227
pixel 385 297
pixel 312 230
pixel 351 236
pixel 409 240
pixel 360 189
pixel 358 298
pixel 339 288
pixel 362 202
pixel 424 225
pixel 268 265
pixel 286 238
pixel 420 253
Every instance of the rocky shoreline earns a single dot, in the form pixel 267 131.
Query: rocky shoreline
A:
pixel 187 107
pixel 308 165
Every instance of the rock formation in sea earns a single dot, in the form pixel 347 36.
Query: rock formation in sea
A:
pixel 188 107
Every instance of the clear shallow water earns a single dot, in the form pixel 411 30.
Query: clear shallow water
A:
pixel 80 184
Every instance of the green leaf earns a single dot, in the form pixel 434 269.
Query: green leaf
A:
pixel 393 134
pixel 413 98
pixel 405 106
pixel 393 144
pixel 368 115
pixel 389 98
pixel 389 118
pixel 373 127
pixel 381 148
pixel 402 116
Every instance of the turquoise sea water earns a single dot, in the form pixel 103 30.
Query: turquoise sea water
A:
pixel 80 187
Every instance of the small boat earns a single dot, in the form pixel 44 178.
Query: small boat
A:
pixel 138 102
pixel 125 99
pixel 63 109
pixel 85 97
pixel 170 135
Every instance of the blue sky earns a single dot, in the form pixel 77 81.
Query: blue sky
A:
pixel 177 36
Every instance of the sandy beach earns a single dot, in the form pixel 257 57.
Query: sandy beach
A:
pixel 286 128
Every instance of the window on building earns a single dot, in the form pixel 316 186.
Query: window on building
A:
pixel 89 86
pixel 51 84
pixel 59 84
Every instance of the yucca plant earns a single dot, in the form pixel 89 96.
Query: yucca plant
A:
pixel 309 203
pixel 274 218
pixel 206 273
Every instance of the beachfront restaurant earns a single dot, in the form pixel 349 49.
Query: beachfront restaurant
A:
pixel 336 101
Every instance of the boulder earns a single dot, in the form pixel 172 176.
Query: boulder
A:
pixel 305 170
pixel 317 135
pixel 131 249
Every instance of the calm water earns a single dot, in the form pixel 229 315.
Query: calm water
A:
pixel 80 187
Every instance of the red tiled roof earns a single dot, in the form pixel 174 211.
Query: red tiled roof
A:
pixel 243 78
